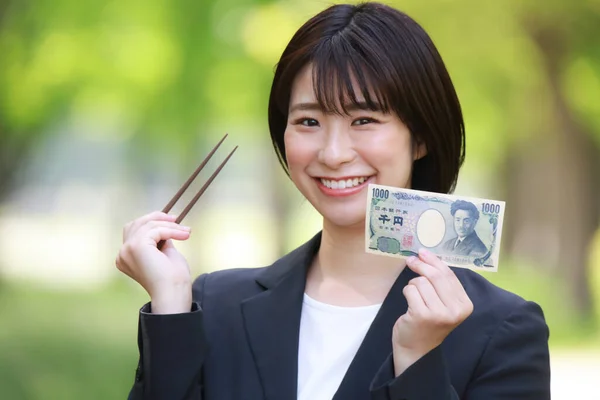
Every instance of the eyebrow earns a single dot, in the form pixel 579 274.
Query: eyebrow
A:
pixel 361 105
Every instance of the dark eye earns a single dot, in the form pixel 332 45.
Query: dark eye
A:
pixel 362 121
pixel 308 122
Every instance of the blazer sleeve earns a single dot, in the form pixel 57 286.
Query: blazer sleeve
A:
pixel 172 349
pixel 515 365
pixel 516 362
pixel 426 379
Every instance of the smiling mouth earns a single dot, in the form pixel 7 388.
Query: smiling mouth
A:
pixel 343 183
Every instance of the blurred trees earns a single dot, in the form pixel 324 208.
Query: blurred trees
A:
pixel 527 73
pixel 528 76
pixel 553 179
pixel 163 74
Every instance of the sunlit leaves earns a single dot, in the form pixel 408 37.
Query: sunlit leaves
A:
pixel 267 30
pixel 174 66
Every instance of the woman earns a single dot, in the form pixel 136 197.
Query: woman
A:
pixel 359 96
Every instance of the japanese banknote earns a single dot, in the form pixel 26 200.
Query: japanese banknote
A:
pixel 463 232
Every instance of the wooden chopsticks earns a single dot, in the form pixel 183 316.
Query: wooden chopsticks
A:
pixel 189 181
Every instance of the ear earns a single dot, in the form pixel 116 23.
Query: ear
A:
pixel 420 151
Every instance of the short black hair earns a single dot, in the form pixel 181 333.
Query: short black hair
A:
pixel 391 55
pixel 464 205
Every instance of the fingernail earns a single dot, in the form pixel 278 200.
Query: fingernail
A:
pixel 424 252
pixel 410 259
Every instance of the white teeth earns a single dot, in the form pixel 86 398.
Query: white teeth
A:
pixel 343 184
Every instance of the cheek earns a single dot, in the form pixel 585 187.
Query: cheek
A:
pixel 297 151
pixel 389 155
pixel 392 144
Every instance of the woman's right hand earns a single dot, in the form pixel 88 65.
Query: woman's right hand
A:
pixel 165 274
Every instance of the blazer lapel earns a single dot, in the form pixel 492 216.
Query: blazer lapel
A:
pixel 272 321
pixel 377 344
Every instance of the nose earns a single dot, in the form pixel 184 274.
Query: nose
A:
pixel 338 148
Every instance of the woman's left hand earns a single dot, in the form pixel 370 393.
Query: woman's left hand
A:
pixel 437 303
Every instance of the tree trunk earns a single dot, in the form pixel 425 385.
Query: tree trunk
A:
pixel 553 187
pixel 12 149
pixel 3 7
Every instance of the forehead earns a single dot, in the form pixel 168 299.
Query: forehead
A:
pixel 462 213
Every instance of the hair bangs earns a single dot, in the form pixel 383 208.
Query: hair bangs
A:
pixel 345 80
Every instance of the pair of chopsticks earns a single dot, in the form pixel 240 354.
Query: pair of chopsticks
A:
pixel 187 183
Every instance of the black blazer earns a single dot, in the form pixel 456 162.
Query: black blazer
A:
pixel 240 342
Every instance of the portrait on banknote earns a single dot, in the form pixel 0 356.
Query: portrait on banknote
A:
pixel 465 216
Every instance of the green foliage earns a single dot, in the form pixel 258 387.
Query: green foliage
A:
pixel 178 68
pixel 154 69
pixel 67 345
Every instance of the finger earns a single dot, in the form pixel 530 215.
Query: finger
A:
pixel 157 234
pixel 429 258
pixel 433 260
pixel 144 229
pixel 133 226
pixel 446 271
pixel 447 285
pixel 153 216
pixel 428 294
pixel 415 302
pixel 444 289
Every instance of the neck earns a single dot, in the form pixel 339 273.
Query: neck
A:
pixel 344 273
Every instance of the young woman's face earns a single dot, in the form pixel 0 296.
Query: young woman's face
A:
pixel 332 158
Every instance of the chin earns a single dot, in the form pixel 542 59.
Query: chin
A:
pixel 341 219
pixel 343 212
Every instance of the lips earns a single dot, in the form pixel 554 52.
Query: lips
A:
pixel 344 186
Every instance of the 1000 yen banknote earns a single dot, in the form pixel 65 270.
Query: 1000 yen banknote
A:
pixel 463 232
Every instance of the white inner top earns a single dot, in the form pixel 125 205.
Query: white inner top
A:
pixel 329 339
